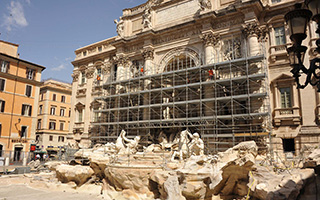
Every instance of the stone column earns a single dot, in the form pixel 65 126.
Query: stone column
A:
pixel 121 64
pixel 210 40
pixel 87 112
pixel 75 83
pixel 252 31
pixel 148 70
pixel 276 96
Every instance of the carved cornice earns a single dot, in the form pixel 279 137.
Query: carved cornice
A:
pixel 75 76
pixel 210 39
pixel 148 54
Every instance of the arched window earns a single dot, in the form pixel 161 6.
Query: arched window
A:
pixel 179 62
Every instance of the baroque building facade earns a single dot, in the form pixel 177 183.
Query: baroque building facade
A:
pixel 219 68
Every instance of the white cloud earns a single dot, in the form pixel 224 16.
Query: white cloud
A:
pixel 59 68
pixel 15 17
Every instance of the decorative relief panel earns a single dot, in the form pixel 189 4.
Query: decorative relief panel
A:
pixel 75 76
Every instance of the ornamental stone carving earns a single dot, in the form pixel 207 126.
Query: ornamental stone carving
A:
pixel 204 4
pixel 210 39
pixel 146 19
pixel 75 76
pixel 120 60
pixel 148 54
pixel 252 28
pixel 120 26
pixel 90 73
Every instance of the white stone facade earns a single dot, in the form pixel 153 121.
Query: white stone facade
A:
pixel 131 81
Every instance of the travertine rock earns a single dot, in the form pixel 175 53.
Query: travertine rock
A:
pixel 268 185
pixel 52 165
pixel 134 179
pixel 78 174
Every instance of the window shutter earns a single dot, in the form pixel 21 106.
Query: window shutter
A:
pixel 30 110
pixel 2 81
pixel 3 103
pixel 22 110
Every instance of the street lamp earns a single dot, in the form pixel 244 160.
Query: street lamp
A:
pixel 297 21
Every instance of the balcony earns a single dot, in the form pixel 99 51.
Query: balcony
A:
pixel 278 52
pixel 287 116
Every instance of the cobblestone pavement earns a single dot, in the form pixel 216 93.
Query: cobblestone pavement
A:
pixel 23 192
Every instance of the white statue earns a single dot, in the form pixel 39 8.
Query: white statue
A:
pixel 146 19
pixel 196 146
pixel 125 145
pixel 120 26
pixel 187 148
pixel 204 4
pixel 183 149
pixel 166 111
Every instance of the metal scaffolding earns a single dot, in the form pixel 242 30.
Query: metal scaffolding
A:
pixel 226 103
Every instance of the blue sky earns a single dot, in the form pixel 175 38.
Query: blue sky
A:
pixel 49 31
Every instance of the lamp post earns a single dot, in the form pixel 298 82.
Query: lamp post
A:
pixel 297 21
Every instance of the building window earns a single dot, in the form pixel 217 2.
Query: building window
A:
pixel 54 97
pixel 275 1
pixel 53 111
pixel 100 48
pixel 5 66
pixel 280 36
pixel 62 112
pixel 39 124
pixel 50 137
pixel 2 83
pixel 61 126
pixel 2 105
pixel 61 139
pixel 84 53
pixel 285 97
pixel 52 125
pixel 0 129
pixel 63 99
pixel 40 109
pixel 30 73
pixel 26 110
pixel 28 90
pixel 83 78
pixel 80 115
pixel 23 132
pixel 42 95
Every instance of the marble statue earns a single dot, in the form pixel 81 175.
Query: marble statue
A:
pixel 125 145
pixel 120 26
pixel 196 146
pixel 187 148
pixel 146 19
pixel 204 4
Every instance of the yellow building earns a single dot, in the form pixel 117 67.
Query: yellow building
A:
pixel 53 115
pixel 19 93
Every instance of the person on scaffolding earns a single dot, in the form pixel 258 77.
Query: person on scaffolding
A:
pixel 210 74
pixel 141 70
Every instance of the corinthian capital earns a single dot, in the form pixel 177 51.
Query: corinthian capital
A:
pixel 210 39
pixel 148 54
pixel 90 73
pixel 75 76
pixel 120 60
pixel 250 29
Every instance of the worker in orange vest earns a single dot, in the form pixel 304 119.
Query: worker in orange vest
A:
pixel 210 74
